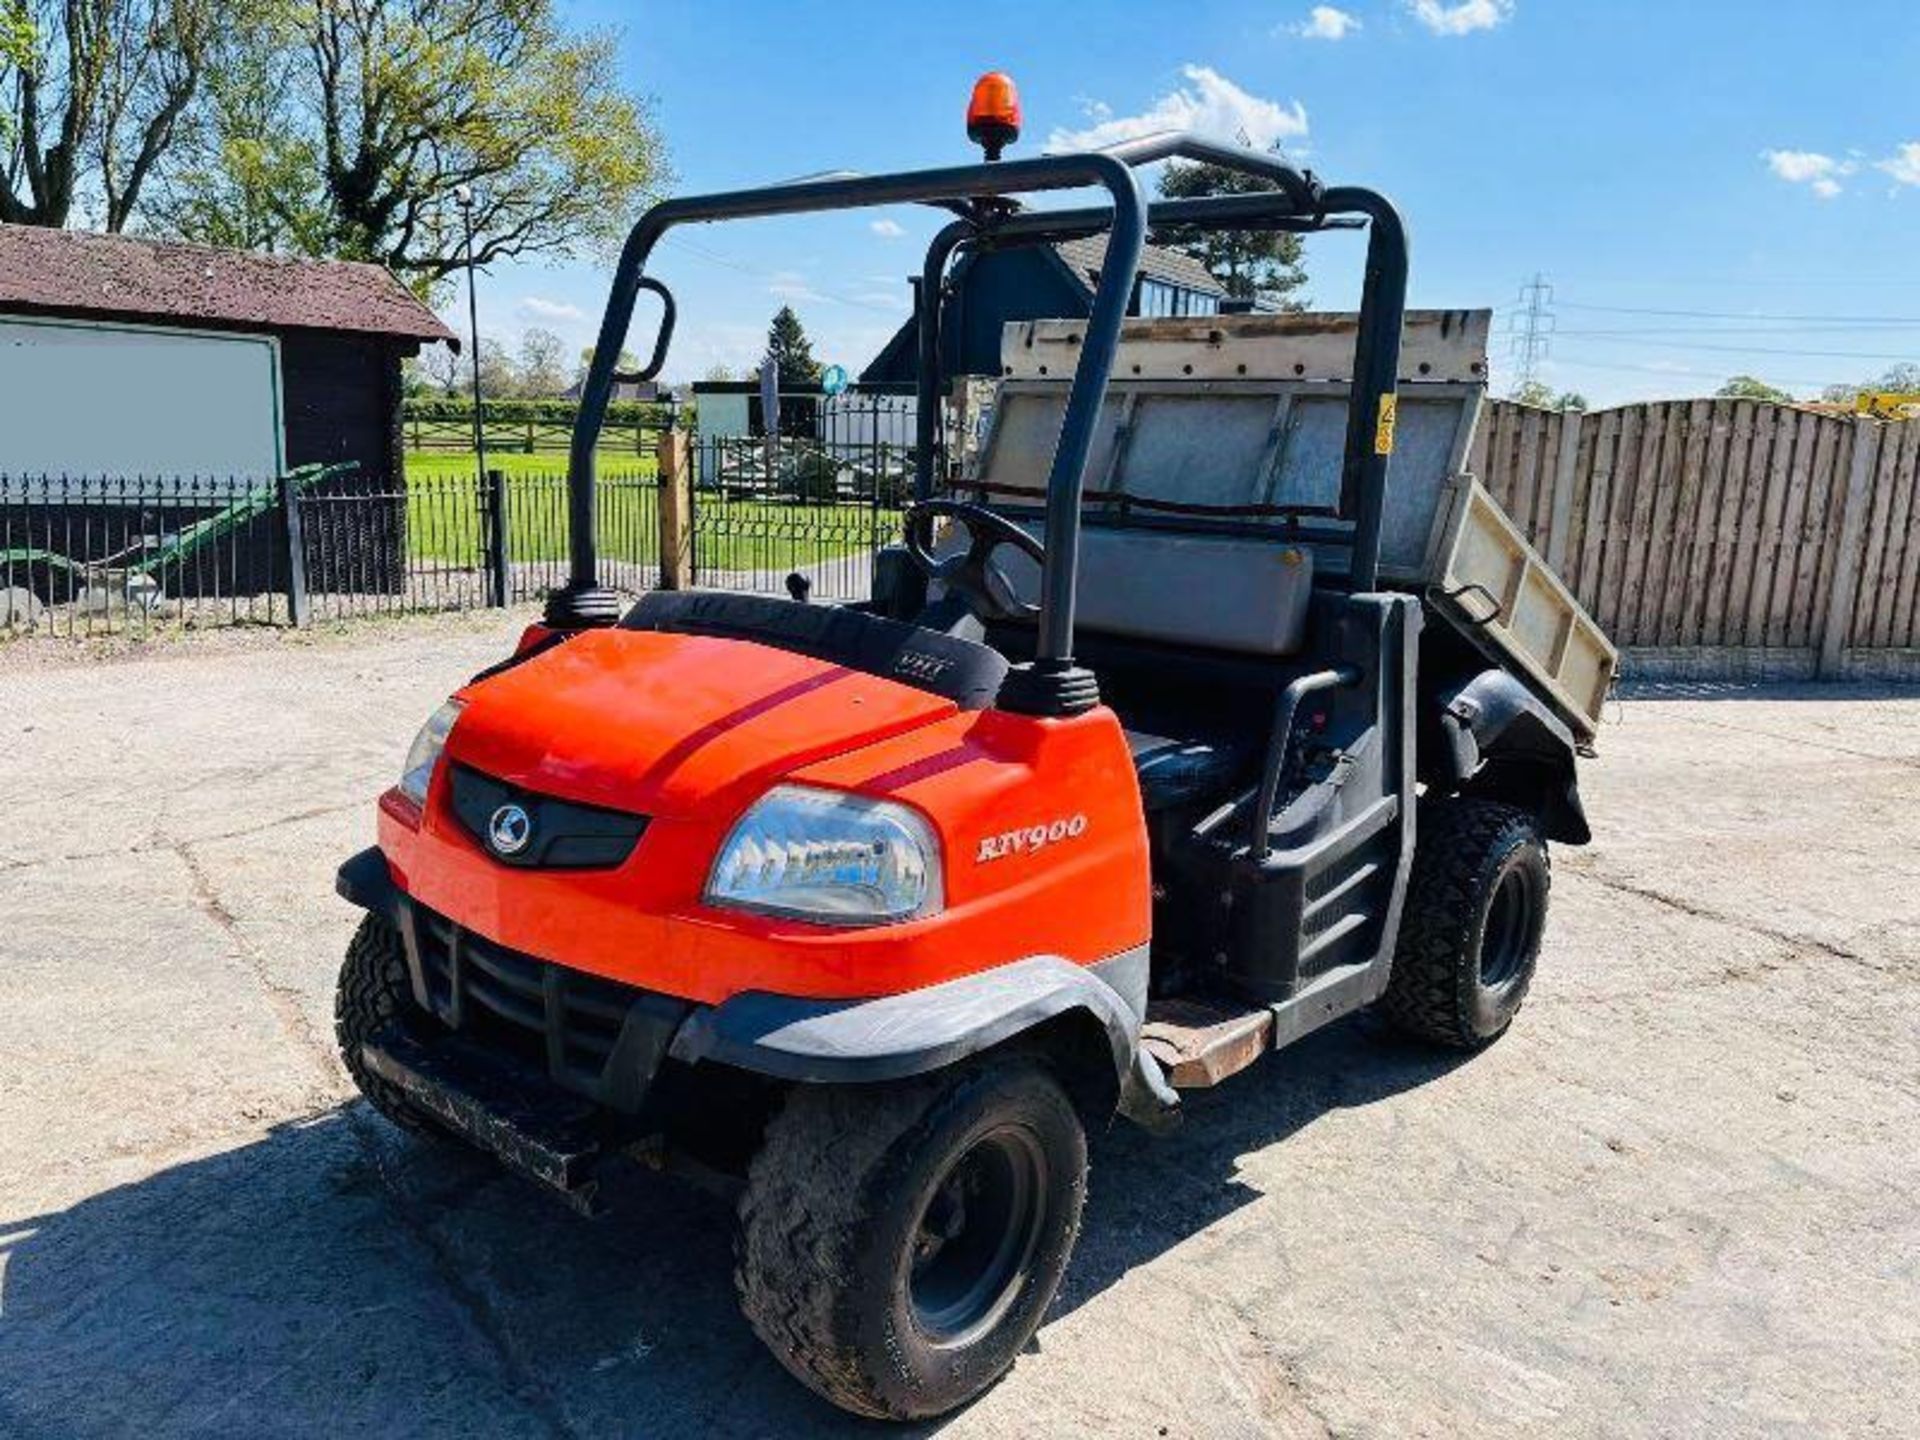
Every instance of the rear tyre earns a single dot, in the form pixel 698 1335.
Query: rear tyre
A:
pixel 1470 933
pixel 374 991
pixel 899 1244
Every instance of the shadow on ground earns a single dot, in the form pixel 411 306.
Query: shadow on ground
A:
pixel 336 1276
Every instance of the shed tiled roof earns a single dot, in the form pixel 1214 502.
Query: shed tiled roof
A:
pixel 1085 257
pixel 74 272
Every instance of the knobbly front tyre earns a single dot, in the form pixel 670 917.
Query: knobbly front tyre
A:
pixel 900 1243
pixel 373 993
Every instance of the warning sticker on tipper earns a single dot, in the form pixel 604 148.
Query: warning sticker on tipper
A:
pixel 1383 433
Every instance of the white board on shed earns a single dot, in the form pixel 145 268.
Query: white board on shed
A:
pixel 86 398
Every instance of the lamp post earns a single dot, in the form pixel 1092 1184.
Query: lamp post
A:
pixel 463 196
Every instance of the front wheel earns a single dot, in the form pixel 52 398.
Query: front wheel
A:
pixel 1470 933
pixel 374 992
pixel 899 1244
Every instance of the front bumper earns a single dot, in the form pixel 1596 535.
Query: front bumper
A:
pixel 535 1130
pixel 550 1068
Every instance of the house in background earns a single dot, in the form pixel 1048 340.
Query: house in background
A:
pixel 130 357
pixel 1039 282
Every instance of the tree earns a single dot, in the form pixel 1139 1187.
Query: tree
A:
pixel 720 371
pixel 792 352
pixel 1748 387
pixel 627 361
pixel 380 112
pixel 543 371
pixel 499 376
pixel 96 96
pixel 1902 379
pixel 237 180
pixel 1541 396
pixel 1251 264
pixel 436 369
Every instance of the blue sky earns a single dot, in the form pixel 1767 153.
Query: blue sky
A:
pixel 1711 187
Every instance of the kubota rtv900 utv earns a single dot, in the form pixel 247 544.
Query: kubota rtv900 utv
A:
pixel 1212 701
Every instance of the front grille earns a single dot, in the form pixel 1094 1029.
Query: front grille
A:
pixel 597 1037
pixel 559 835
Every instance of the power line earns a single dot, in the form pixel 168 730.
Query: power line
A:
pixel 1858 320
pixel 714 257
pixel 1725 333
pixel 1688 372
pixel 1897 357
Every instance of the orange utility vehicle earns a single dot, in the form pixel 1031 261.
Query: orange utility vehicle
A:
pixel 1171 733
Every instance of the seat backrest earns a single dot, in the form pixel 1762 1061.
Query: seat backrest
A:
pixel 1198 591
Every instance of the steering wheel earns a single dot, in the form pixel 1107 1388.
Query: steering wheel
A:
pixel 972 571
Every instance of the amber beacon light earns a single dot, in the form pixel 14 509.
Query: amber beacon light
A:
pixel 993 114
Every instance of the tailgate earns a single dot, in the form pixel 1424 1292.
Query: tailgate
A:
pixel 1495 588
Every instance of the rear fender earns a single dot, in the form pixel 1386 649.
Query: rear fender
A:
pixel 1499 741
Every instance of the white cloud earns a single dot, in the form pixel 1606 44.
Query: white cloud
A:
pixel 1209 103
pixel 1821 173
pixel 538 307
pixel 1462 17
pixel 887 229
pixel 1903 165
pixel 791 286
pixel 1325 23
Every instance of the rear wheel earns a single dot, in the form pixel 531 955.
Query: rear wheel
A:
pixel 375 991
pixel 1470 934
pixel 899 1244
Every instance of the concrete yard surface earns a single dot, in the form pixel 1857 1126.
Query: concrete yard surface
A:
pixel 1679 1198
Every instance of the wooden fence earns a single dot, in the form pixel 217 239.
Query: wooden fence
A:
pixel 1724 538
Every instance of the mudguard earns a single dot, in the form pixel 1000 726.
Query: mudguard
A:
pixel 834 1041
pixel 853 1041
pixel 1502 742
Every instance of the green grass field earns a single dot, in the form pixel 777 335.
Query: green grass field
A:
pixel 434 463
pixel 444 517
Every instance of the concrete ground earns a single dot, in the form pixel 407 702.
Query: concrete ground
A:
pixel 1678 1198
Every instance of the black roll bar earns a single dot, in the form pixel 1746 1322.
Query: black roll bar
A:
pixel 582 602
pixel 1383 306
pixel 983 194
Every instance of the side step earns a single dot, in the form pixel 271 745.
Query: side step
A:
pixel 1201 1042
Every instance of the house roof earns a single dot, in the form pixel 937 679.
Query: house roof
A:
pixel 78 273
pixel 1085 258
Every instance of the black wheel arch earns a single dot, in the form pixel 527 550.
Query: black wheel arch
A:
pixel 1491 738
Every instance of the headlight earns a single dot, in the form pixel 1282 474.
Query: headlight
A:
pixel 828 857
pixel 424 753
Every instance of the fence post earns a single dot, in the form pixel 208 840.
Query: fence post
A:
pixel 676 510
pixel 1560 513
pixel 499 581
pixel 297 608
pixel 1846 559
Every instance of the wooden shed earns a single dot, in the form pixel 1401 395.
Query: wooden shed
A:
pixel 129 356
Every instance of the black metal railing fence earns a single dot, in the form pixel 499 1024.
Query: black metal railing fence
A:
pixel 87 555
pixel 93 555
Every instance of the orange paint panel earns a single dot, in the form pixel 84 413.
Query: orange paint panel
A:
pixel 662 724
pixel 1043 843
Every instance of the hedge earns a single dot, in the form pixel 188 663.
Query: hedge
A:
pixel 444 408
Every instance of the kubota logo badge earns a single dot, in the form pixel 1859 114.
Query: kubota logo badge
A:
pixel 1030 840
pixel 509 829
